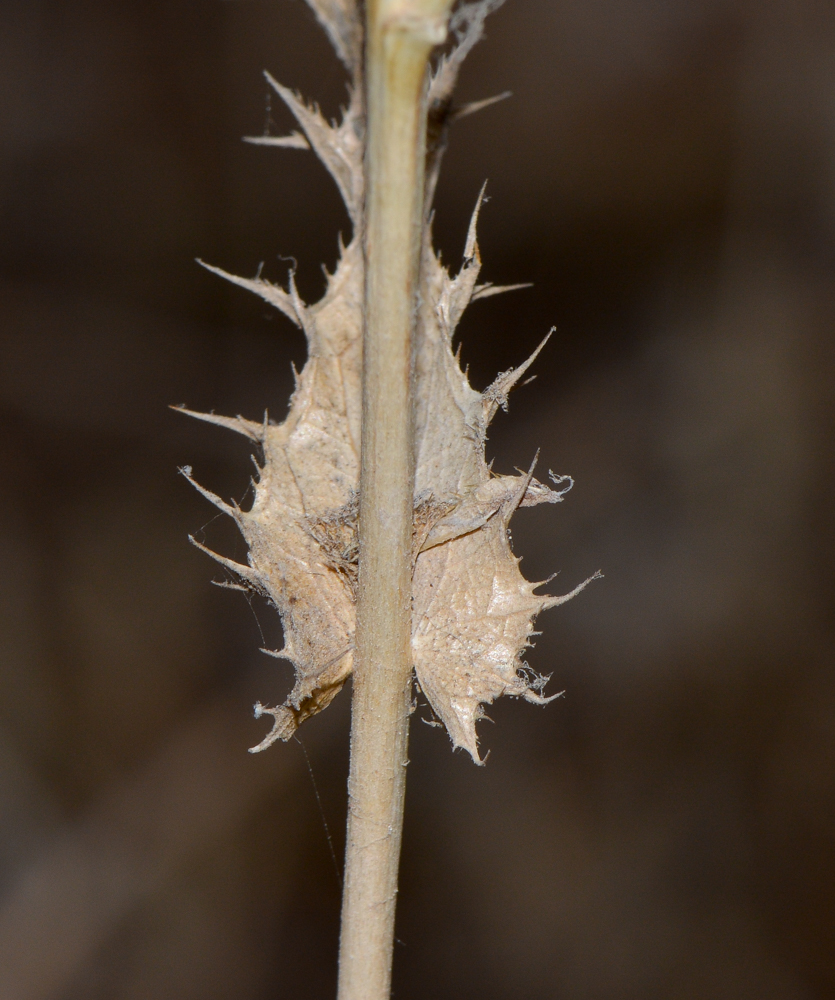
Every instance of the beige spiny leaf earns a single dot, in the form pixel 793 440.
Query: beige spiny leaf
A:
pixel 466 27
pixel 342 22
pixel 473 611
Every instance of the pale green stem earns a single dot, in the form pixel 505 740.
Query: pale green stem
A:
pixel 400 36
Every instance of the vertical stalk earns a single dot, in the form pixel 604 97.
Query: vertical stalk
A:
pixel 400 35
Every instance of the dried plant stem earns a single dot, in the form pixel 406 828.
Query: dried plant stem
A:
pixel 426 578
pixel 400 37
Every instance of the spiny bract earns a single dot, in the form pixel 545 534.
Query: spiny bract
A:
pixel 473 611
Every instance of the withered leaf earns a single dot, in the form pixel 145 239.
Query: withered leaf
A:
pixel 473 611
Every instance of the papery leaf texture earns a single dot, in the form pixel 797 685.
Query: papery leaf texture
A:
pixel 473 611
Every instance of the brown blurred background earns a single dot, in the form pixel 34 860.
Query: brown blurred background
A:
pixel 665 175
